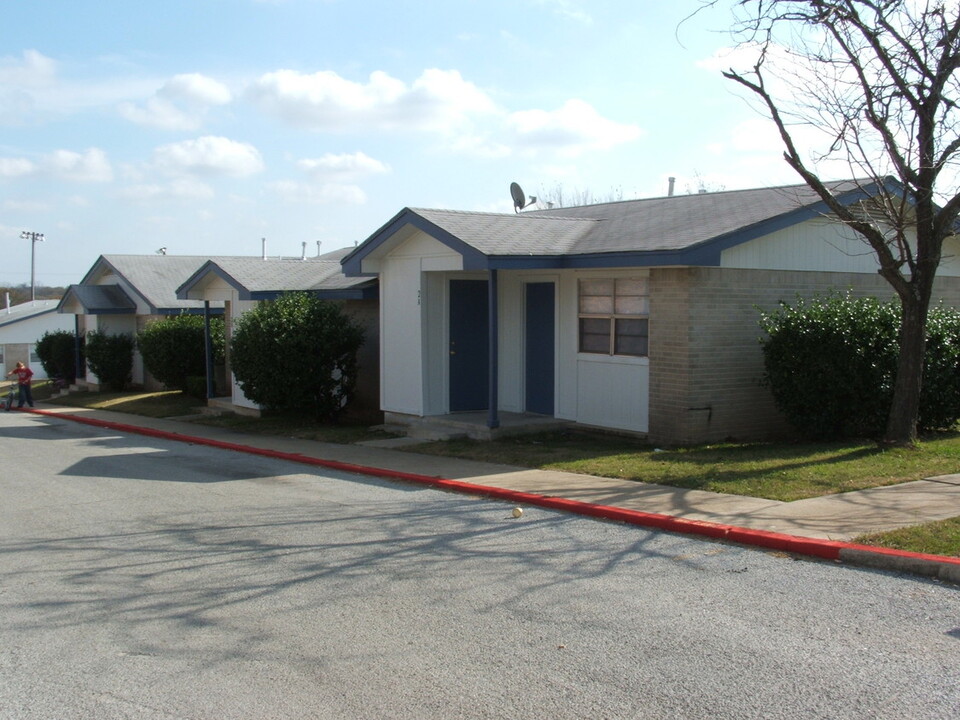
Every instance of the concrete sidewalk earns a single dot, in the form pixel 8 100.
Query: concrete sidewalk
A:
pixel 832 520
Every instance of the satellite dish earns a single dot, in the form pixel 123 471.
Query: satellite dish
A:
pixel 519 198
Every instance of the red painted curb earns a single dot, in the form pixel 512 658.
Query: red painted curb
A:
pixel 813 547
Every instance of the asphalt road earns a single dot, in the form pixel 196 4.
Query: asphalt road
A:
pixel 141 578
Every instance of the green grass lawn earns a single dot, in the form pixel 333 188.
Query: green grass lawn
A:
pixel 778 471
pixel 936 538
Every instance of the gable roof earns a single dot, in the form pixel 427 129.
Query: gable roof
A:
pixel 98 299
pixel 676 230
pixel 261 279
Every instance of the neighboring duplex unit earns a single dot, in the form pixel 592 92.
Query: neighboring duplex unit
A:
pixel 638 316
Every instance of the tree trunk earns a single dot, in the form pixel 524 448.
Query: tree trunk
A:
pixel 905 408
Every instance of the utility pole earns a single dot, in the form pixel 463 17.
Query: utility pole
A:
pixel 34 237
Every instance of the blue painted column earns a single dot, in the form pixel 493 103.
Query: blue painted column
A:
pixel 493 414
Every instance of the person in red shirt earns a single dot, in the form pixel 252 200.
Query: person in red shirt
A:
pixel 23 374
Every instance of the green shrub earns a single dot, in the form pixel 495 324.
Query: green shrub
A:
pixel 940 393
pixel 830 363
pixel 173 348
pixel 57 353
pixel 196 386
pixel 110 358
pixel 297 353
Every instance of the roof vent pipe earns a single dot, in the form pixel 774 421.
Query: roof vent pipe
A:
pixel 670 184
pixel 263 245
pixel 8 301
pixel 303 250
pixel 318 248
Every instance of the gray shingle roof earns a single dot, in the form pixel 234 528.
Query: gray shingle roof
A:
pixel 24 311
pixel 677 230
pixel 99 298
pixel 280 275
pixel 155 277
pixel 658 224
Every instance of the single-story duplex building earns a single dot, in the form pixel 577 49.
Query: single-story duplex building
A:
pixel 120 294
pixel 239 283
pixel 638 316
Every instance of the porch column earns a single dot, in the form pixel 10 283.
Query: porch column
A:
pixel 208 349
pixel 493 414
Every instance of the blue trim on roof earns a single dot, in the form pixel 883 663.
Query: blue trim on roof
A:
pixel 369 291
pixel 210 266
pixel 473 259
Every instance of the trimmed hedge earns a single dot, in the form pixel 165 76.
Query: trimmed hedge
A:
pixel 57 353
pixel 110 358
pixel 831 362
pixel 297 353
pixel 173 349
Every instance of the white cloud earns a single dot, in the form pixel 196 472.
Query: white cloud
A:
pixel 178 189
pixel 33 70
pixel 181 103
pixel 89 166
pixel 323 194
pixel 16 167
pixel 570 130
pixel 195 88
pixel 324 101
pixel 209 156
pixel 343 167
pixel 567 9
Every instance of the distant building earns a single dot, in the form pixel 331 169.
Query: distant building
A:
pixel 20 328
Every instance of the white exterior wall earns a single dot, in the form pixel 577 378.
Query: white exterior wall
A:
pixel 412 325
pixel 602 390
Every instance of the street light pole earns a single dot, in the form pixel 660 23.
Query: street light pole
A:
pixel 34 237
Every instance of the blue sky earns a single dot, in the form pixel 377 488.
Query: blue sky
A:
pixel 203 126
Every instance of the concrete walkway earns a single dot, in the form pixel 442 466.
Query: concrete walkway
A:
pixel 833 518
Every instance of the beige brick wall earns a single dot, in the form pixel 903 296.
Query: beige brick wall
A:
pixel 706 364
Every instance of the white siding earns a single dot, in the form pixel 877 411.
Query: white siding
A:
pixel 820 244
pixel 613 392
pixel 401 339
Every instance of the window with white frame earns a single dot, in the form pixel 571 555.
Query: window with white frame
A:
pixel 614 316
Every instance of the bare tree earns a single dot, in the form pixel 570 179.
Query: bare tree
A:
pixel 882 78
pixel 561 197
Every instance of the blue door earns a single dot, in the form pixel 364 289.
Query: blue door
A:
pixel 469 345
pixel 539 354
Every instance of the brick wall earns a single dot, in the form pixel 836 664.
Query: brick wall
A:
pixel 705 360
